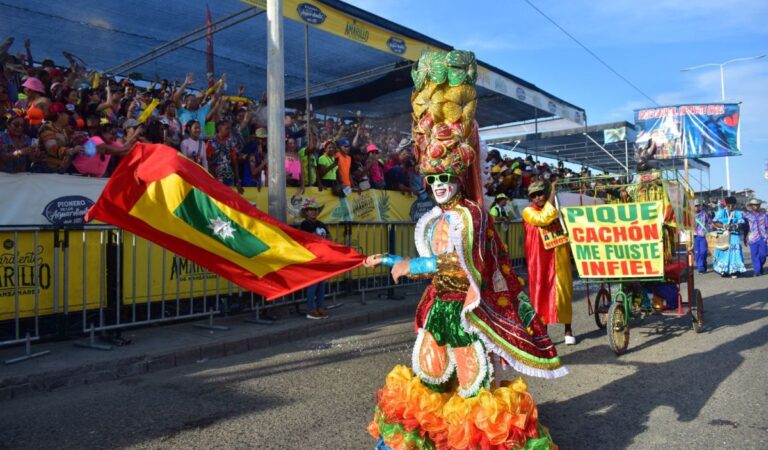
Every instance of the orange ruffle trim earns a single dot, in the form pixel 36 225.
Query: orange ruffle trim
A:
pixel 503 418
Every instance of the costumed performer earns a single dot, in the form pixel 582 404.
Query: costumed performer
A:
pixel 702 227
pixel 757 238
pixel 549 270
pixel 474 322
pixel 730 261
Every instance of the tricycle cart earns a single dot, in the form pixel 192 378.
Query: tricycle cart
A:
pixel 621 302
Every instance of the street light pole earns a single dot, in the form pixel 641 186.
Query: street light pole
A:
pixel 722 98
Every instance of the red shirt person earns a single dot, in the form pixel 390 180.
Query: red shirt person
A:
pixel 549 271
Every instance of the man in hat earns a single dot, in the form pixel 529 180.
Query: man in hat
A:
pixel 404 144
pixel 703 225
pixel 315 293
pixel 498 210
pixel 549 270
pixel 757 238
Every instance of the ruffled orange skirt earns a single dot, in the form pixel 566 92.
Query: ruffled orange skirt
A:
pixel 411 416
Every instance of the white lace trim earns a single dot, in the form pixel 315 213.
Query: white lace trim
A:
pixel 416 365
pixel 472 389
pixel 420 234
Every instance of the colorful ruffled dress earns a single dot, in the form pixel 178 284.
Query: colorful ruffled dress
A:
pixel 474 324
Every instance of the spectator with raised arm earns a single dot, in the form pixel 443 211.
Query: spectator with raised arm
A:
pixel 192 109
pixel 308 157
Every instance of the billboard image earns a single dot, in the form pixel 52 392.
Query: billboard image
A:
pixel 688 131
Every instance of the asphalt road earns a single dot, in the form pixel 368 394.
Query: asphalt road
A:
pixel 673 389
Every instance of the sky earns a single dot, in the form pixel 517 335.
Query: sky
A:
pixel 646 42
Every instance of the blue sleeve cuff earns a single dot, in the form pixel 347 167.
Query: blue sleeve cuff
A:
pixel 423 265
pixel 390 260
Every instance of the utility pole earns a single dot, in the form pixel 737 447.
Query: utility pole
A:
pixel 722 98
pixel 276 110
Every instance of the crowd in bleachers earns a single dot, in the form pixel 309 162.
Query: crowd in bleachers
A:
pixel 511 177
pixel 72 120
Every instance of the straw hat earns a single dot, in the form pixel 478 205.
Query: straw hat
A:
pixel 537 186
pixel 308 204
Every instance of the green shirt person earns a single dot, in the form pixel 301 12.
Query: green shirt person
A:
pixel 498 209
pixel 328 165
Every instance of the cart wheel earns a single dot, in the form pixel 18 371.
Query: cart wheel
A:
pixel 602 304
pixel 697 311
pixel 618 328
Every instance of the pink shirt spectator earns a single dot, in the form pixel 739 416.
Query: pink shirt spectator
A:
pixel 293 169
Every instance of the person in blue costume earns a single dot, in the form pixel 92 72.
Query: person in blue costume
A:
pixel 730 261
pixel 702 227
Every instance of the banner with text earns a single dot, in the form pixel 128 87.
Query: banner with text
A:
pixel 617 241
pixel 331 20
pixel 689 131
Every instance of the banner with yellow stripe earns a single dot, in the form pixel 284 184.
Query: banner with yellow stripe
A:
pixel 162 196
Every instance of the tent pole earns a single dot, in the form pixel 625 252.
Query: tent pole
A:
pixel 606 151
pixel 181 45
pixel 626 155
pixel 173 41
pixel 536 128
pixel 307 107
pixel 276 109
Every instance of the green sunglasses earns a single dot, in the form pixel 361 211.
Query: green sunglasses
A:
pixel 443 178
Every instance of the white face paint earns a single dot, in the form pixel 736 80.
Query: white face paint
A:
pixel 445 191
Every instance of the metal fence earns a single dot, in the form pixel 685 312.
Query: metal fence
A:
pixel 102 280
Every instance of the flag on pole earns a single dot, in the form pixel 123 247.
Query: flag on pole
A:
pixel 209 45
pixel 162 196
pixel 611 135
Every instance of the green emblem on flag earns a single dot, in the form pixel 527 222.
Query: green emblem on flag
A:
pixel 202 214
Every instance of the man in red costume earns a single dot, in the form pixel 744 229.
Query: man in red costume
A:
pixel 549 270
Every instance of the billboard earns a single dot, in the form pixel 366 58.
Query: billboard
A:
pixel 688 131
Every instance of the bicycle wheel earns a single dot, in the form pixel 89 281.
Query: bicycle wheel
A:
pixel 697 311
pixel 602 304
pixel 618 328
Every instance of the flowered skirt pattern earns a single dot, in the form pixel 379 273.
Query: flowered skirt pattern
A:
pixel 409 415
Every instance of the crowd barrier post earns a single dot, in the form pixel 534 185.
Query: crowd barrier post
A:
pixel 17 321
pixel 91 328
pixel 209 325
pixel 256 307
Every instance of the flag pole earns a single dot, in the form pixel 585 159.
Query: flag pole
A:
pixel 276 110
